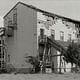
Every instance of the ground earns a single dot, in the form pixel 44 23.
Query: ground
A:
pixel 66 76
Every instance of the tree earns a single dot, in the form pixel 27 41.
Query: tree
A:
pixel 72 54
pixel 35 62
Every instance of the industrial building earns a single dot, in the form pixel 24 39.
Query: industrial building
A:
pixel 34 32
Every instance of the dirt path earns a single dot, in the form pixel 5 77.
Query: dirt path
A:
pixel 67 76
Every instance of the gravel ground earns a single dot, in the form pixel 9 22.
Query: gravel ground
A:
pixel 66 76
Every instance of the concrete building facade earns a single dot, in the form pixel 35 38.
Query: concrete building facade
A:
pixel 24 24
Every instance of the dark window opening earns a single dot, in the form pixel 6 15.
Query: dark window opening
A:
pixel 41 32
pixel 53 33
pixel 61 35
pixel 0 49
pixel 8 58
pixel 15 18
pixel 69 37
pixel 0 55
pixel 0 41
pixel 10 32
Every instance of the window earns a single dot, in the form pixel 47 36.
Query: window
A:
pixel 8 58
pixel 0 49
pixel 10 23
pixel 15 18
pixel 41 32
pixel 69 37
pixel 10 32
pixel 3 53
pixel 0 41
pixel 52 33
pixel 78 35
pixel 61 35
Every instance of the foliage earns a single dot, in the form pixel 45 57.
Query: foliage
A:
pixel 72 54
pixel 35 62
pixel 10 68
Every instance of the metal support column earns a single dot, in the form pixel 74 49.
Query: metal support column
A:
pixel 60 63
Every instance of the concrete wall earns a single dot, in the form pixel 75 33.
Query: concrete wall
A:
pixel 23 43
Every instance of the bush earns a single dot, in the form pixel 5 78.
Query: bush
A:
pixel 34 61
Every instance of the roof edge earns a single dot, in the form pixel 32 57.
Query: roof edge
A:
pixel 11 9
pixel 45 12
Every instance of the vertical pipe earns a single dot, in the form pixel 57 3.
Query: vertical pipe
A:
pixel 45 57
pixel 64 67
pixel 60 63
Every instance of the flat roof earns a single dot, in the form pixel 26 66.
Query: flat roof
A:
pixel 45 12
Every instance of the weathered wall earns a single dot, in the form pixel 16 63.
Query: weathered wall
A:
pixel 23 43
pixel 57 26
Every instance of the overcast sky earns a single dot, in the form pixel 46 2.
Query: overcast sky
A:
pixel 67 8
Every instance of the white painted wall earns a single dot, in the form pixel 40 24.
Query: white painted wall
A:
pixel 58 26
pixel 66 65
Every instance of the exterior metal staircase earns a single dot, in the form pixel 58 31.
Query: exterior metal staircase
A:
pixel 56 45
pixel 2 49
pixel 49 42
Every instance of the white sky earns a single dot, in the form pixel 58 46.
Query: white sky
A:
pixel 67 8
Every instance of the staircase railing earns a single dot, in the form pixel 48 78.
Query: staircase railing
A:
pixel 56 45
pixel 47 55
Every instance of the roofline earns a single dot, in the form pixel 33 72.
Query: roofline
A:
pixel 45 12
pixel 11 10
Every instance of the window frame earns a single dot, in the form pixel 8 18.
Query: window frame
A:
pixel 69 37
pixel 15 18
pixel 53 33
pixel 61 35
pixel 41 32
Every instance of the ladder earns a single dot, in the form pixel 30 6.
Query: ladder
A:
pixel 2 49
